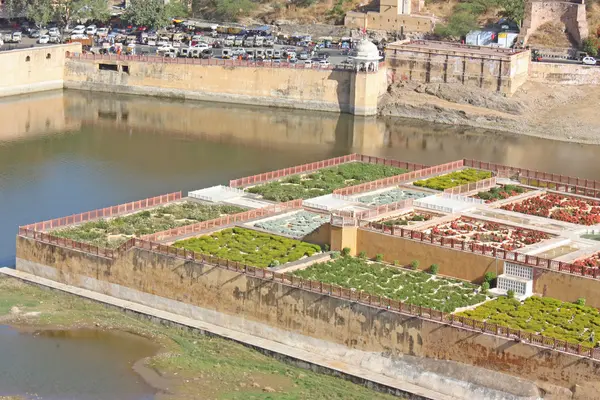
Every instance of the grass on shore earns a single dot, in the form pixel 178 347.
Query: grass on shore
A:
pixel 195 365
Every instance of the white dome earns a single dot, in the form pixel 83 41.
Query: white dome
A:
pixel 366 51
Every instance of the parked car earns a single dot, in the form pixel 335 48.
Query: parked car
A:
pixel 78 30
pixel 102 32
pixel 324 63
pixel 44 39
pixel 91 30
pixel 34 34
pixel 308 63
pixel 53 31
pixel 589 60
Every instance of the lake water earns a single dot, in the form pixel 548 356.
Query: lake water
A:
pixel 72 365
pixel 67 152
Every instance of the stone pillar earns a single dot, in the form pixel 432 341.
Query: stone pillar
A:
pixel 365 90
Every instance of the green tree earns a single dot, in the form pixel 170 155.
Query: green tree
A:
pixel 15 8
pixel 458 25
pixel 154 13
pixel 68 11
pixel 40 12
pixel 233 9
pixel 513 9
pixel 590 46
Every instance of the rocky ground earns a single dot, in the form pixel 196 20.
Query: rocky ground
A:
pixel 560 112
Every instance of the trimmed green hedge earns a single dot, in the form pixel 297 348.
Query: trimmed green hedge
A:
pixel 454 179
pixel 419 288
pixel 250 247
pixel 157 219
pixel 544 315
pixel 323 181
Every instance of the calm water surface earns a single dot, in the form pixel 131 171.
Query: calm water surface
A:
pixel 64 153
pixel 72 365
pixel 67 152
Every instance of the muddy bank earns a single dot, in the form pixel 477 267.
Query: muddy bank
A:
pixel 546 111
pixel 188 366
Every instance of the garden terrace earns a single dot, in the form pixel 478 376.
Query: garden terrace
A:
pixel 111 233
pixel 411 218
pixel 250 247
pixel 501 193
pixel 490 234
pixel 297 224
pixel 323 181
pixel 389 196
pixel 576 210
pixel 549 317
pixel 591 261
pixel 413 287
pixel 453 179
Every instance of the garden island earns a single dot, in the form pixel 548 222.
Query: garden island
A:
pixel 358 256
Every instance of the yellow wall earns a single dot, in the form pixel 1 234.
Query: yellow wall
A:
pixel 283 87
pixel 389 21
pixel 43 71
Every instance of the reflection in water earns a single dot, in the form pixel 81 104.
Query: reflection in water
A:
pixel 65 153
pixel 78 364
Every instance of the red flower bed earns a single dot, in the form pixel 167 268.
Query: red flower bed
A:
pixel 559 207
pixel 491 234
pixel 593 261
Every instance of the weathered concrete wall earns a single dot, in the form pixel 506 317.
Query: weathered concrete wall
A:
pixel 571 13
pixel 34 69
pixel 564 74
pixel 266 307
pixel 566 287
pixel 389 21
pixel 459 264
pixel 313 89
pixel 501 73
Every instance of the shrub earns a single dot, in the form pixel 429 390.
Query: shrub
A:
pixel 434 269
pixel 396 262
pixel 590 46
pixel 379 257
pixel 274 263
pixel 346 251
pixel 325 247
pixel 485 286
pixel 490 278
pixel 580 301
pixel 414 264
pixel 510 294
pixel 362 255
pixel 335 254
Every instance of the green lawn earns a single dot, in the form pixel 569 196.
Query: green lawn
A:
pixel 419 288
pixel 547 316
pixel 323 181
pixel 250 247
pixel 453 179
pixel 113 232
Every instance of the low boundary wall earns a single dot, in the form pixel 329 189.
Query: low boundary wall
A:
pixel 224 221
pixel 564 183
pixel 395 180
pixel 107 212
pixel 360 321
pixel 317 165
